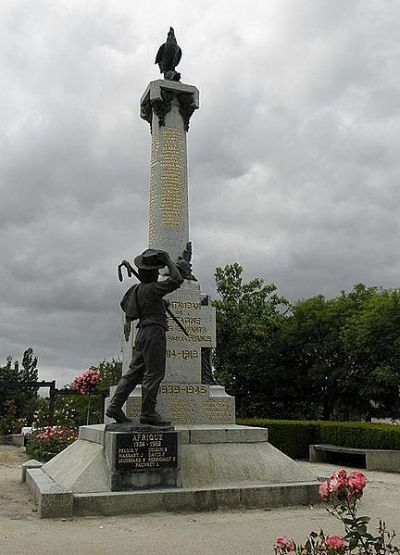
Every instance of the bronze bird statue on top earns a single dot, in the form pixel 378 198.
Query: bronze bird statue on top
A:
pixel 168 57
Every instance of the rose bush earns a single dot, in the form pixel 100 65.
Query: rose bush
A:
pixel 342 493
pixel 86 382
pixel 44 444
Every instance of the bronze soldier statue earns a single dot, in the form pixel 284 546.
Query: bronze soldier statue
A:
pixel 145 302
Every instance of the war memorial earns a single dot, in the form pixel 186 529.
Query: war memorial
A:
pixel 196 458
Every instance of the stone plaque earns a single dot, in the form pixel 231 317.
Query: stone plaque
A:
pixel 144 451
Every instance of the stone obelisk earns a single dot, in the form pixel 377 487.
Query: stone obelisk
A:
pixel 167 105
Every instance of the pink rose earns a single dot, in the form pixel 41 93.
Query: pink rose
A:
pixel 324 490
pixel 336 483
pixel 284 543
pixel 338 543
pixel 333 485
pixel 342 474
pixel 357 481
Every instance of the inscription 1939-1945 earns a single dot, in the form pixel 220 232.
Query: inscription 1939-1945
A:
pixel 144 451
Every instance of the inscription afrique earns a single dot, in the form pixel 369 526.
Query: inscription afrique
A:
pixel 140 451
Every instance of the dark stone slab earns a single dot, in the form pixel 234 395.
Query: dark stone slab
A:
pixel 146 451
pixel 141 457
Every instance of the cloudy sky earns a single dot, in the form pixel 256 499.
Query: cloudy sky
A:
pixel 293 157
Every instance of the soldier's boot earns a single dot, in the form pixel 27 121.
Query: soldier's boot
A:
pixel 121 394
pixel 150 416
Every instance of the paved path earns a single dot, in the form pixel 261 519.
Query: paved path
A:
pixel 219 533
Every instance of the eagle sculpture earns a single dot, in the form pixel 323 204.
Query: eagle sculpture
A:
pixel 168 57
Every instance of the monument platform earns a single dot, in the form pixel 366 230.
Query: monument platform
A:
pixel 217 466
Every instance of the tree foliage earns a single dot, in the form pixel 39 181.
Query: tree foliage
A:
pixel 339 354
pixel 249 318
pixel 371 338
pixel 18 384
pixel 347 346
pixel 110 372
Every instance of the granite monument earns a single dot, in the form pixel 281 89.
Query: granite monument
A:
pixel 206 461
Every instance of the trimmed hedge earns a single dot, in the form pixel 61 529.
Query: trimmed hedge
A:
pixel 294 436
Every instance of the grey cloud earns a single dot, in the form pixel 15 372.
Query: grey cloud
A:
pixel 293 156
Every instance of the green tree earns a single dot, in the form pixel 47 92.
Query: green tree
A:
pixel 312 346
pixel 371 338
pixel 335 358
pixel 249 318
pixel 110 371
pixel 18 384
pixel 346 348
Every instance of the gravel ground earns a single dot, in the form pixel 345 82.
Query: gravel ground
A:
pixel 222 532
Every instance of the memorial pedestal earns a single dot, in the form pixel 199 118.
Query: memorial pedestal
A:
pixel 217 467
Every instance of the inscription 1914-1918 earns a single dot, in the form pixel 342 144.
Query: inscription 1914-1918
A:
pixel 144 451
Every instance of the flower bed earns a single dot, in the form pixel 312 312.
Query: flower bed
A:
pixel 44 444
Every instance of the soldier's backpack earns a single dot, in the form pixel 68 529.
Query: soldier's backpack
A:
pixel 130 305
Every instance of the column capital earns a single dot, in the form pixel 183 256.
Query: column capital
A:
pixel 159 95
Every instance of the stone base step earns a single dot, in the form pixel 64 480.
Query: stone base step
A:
pixel 197 499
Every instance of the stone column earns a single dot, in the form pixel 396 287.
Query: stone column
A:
pixel 168 106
